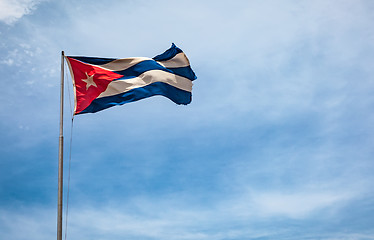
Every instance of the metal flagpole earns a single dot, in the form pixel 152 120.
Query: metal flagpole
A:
pixel 60 154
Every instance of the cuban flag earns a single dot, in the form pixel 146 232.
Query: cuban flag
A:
pixel 100 83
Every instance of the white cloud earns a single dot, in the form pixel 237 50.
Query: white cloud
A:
pixel 8 61
pixel 12 10
pixel 176 217
pixel 296 205
pixel 119 222
pixel 28 223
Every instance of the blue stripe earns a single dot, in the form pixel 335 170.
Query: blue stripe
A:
pixel 174 94
pixel 186 72
pixel 148 65
pixel 168 54
pixel 94 60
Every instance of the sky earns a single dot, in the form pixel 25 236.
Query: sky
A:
pixel 278 142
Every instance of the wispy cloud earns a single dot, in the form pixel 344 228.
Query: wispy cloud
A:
pixel 298 205
pixel 27 222
pixel 12 10
pixel 176 217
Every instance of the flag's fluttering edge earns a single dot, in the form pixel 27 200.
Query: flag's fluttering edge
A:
pixel 101 83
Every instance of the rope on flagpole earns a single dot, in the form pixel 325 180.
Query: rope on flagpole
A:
pixel 69 165
pixel 68 188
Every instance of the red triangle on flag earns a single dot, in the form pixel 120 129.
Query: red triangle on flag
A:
pixel 89 82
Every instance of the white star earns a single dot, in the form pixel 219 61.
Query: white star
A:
pixel 89 81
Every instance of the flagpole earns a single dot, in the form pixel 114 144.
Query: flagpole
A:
pixel 60 154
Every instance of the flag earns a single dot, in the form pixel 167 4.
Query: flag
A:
pixel 100 83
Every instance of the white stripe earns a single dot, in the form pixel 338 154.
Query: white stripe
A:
pixel 124 63
pixel 122 86
pixel 179 60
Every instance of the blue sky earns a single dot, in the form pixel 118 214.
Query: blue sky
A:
pixel 276 144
